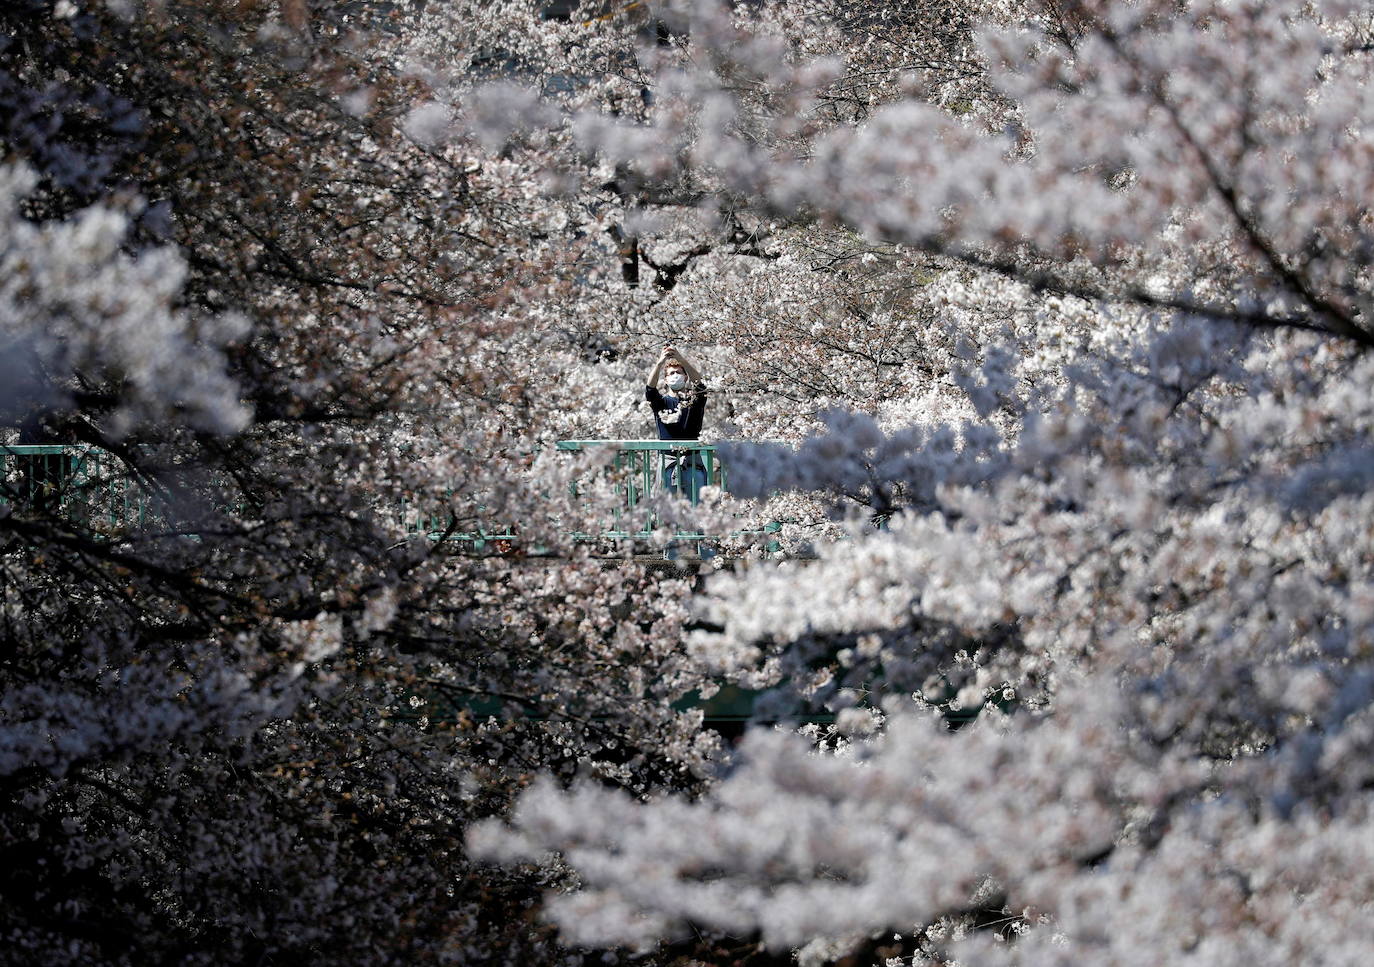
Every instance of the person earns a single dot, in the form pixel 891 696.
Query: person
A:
pixel 678 415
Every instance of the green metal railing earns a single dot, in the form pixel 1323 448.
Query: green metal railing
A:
pixel 637 470
pixel 94 490
pixel 648 465
pixel 86 485
pixel 640 469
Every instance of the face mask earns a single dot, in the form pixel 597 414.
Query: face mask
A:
pixel 676 381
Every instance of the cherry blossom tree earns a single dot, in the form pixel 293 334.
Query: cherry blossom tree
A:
pixel 1136 544
pixel 254 724
pixel 1042 324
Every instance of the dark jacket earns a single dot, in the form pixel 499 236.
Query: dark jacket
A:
pixel 678 419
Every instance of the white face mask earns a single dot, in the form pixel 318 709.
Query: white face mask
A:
pixel 676 381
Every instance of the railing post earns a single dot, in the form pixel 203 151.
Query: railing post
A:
pixel 84 484
pixel 642 467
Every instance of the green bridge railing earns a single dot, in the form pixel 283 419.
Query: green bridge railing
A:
pixel 648 465
pixel 94 489
pixel 87 485
pixel 641 469
pixel 637 470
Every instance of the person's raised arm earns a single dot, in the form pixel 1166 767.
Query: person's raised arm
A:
pixel 656 373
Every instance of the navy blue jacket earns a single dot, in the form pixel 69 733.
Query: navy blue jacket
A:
pixel 683 420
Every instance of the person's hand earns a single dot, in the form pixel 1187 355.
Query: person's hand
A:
pixel 669 352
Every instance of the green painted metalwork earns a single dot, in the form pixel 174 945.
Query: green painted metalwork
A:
pixel 642 468
pixel 638 469
pixel 644 465
pixel 88 486
pixel 94 490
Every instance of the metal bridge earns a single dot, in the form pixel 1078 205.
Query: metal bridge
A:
pixel 88 486
pixel 95 491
